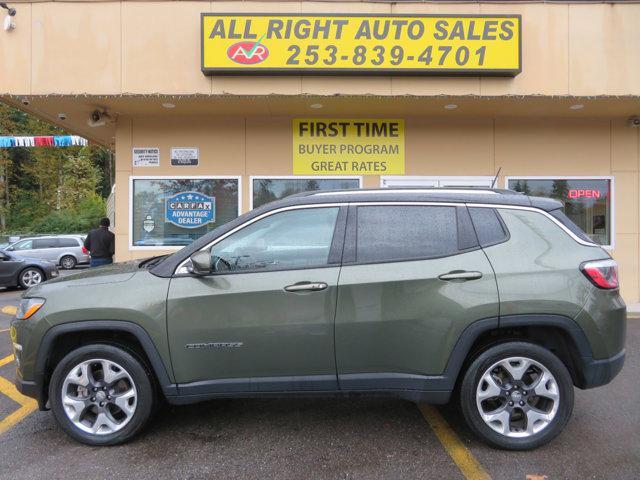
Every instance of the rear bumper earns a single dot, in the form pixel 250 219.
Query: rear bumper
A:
pixel 600 372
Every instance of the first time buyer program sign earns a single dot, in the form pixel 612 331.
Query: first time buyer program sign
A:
pixel 311 44
pixel 326 146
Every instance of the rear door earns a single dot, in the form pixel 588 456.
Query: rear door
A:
pixel 45 249
pixel 413 278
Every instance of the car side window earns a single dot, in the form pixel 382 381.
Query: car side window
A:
pixel 40 243
pixel 405 232
pixel 67 242
pixel 292 239
pixel 488 225
pixel 24 245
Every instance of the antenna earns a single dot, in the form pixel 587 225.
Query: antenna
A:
pixel 495 179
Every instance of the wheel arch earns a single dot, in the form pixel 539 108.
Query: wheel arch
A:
pixel 115 332
pixel 67 254
pixel 27 267
pixel 560 334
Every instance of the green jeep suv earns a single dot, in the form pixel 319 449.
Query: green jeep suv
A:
pixel 418 294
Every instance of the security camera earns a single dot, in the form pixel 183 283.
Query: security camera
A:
pixel 8 24
pixel 62 116
pixel 97 118
pixel 634 122
pixel 25 101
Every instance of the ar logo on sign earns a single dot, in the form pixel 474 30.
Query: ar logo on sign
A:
pixel 248 53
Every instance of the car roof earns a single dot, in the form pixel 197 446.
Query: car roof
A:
pixel 492 196
pixel 38 237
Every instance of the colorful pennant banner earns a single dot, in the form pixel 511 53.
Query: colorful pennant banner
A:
pixel 43 141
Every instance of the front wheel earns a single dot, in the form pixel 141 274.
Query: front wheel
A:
pixel 30 277
pixel 101 395
pixel 517 396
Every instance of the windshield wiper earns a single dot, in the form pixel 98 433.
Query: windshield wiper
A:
pixel 150 262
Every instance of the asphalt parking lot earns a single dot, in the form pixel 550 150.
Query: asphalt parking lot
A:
pixel 345 438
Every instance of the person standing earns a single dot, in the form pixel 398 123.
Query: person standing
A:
pixel 101 244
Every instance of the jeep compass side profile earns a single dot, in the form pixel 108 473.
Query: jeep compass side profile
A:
pixel 416 294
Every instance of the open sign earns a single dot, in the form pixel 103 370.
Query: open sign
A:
pixel 584 193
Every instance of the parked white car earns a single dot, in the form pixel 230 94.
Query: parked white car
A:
pixel 63 250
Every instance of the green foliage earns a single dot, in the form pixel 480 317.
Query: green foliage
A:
pixel 48 189
pixel 82 218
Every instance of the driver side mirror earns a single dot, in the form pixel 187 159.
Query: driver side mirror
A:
pixel 200 262
pixel 9 249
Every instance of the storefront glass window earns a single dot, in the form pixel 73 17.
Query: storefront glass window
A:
pixel 587 201
pixel 267 190
pixel 176 211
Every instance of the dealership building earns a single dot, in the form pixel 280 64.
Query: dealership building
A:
pixel 215 107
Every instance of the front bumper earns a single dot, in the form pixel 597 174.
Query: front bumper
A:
pixel 600 372
pixel 31 389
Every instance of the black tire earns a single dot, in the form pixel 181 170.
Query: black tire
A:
pixel 503 351
pixel 68 262
pixel 22 282
pixel 142 380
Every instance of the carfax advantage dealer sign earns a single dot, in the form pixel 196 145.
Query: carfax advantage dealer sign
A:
pixel 266 44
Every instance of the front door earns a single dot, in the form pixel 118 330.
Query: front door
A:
pixel 263 320
pixel 8 268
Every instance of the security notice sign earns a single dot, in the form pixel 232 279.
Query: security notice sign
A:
pixel 146 157
pixel 361 44
pixel 346 147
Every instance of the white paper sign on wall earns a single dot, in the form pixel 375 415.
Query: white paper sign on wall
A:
pixel 184 157
pixel 146 157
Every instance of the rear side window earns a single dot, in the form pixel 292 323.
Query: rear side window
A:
pixel 567 222
pixel 45 243
pixel 67 242
pixel 489 227
pixel 387 233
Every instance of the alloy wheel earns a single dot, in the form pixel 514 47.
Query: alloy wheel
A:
pixel 31 278
pixel 99 396
pixel 517 397
pixel 68 263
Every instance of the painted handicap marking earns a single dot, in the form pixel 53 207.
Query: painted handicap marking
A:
pixel 8 389
pixel 9 309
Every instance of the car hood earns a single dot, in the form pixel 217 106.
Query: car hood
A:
pixel 32 261
pixel 115 273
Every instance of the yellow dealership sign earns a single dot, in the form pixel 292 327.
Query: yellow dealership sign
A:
pixel 361 44
pixel 326 146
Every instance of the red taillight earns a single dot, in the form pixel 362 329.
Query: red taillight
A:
pixel 602 273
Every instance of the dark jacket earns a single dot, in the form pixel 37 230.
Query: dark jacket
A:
pixel 101 243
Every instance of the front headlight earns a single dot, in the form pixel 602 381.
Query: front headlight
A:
pixel 29 306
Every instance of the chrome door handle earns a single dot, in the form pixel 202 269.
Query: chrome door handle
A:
pixel 460 275
pixel 306 287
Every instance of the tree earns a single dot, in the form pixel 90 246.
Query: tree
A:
pixel 80 180
pixel 35 183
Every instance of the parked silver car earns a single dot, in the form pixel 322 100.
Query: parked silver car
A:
pixel 63 250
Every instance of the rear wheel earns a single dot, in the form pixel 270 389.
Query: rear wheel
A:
pixel 517 396
pixel 30 277
pixel 68 262
pixel 101 395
